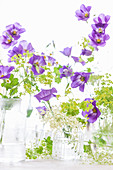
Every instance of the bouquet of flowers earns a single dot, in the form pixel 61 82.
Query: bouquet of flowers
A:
pixel 40 74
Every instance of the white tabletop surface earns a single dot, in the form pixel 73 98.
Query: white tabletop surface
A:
pixel 52 165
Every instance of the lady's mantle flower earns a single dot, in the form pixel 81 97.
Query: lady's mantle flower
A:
pixel 42 110
pixel 86 52
pixel 46 94
pixel 37 62
pixel 67 51
pixel 65 71
pixel 5 71
pixel 84 13
pixel 98 40
pixel 76 59
pixel 15 30
pixel 92 114
pixel 79 79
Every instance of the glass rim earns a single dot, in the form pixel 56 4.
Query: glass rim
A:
pixel 10 99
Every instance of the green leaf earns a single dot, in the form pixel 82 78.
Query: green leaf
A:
pixel 3 96
pixel 48 45
pixel 13 91
pixel 83 121
pixel 56 70
pixel 53 44
pixel 14 82
pixel 87 149
pixel 89 70
pixel 100 141
pixel 37 88
pixel 90 59
pixel 29 111
pixel 67 86
pixel 39 150
pixel 11 77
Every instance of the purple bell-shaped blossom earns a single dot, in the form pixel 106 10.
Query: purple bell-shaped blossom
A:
pixel 98 40
pixel 67 51
pixel 93 113
pixel 79 79
pixel 42 110
pixel 5 71
pixel 102 19
pixel 86 52
pixel 37 62
pixel 46 95
pixel 65 71
pixel 51 61
pixel 15 30
pixel 84 13
pixel 7 41
pixel 76 59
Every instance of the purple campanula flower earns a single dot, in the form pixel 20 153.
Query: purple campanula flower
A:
pixel 22 48
pixel 15 30
pixel 67 51
pixel 42 110
pixel 102 19
pixel 101 22
pixel 37 61
pixel 86 52
pixel 97 40
pixel 92 114
pixel 65 71
pixel 7 41
pixel 84 13
pixel 5 71
pixel 51 60
pixel 46 95
pixel 76 59
pixel 26 46
pixel 15 52
pixel 79 79
pixel 98 28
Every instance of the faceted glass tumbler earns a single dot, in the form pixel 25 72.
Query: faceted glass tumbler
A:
pixel 12 131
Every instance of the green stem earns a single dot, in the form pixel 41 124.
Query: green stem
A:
pixel 50 108
pixel 2 126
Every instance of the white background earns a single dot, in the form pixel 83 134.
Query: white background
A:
pixel 47 20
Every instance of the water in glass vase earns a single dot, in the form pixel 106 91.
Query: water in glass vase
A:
pixel 12 131
pixel 12 152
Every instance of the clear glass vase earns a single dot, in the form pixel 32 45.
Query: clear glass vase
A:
pixel 12 131
pixel 63 148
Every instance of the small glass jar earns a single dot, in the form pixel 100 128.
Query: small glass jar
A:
pixel 63 148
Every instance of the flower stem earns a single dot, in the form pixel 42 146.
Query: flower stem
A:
pixel 2 126
pixel 50 108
